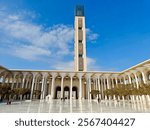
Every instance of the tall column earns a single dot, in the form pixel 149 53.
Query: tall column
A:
pixel 80 85
pixel 141 69
pixel 14 76
pixel 45 87
pixel 62 84
pixel 94 83
pixel 98 83
pixel 116 80
pixel 52 86
pixel 42 88
pixel 33 80
pixel 71 76
pixel 104 79
pixel 108 85
pixel 88 78
pixel 124 80
pixel 143 75
pixel 136 79
pixel 130 82
pixel 102 87
pixel 23 80
pixel 112 80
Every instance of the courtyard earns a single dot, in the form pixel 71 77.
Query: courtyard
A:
pixel 75 106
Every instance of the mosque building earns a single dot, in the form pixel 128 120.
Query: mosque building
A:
pixel 76 84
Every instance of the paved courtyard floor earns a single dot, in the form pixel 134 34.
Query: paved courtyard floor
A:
pixel 74 106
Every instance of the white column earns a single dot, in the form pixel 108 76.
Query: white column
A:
pixel 129 79
pixel 94 83
pixel 112 80
pixel 80 85
pixel 62 84
pixel 89 88
pixel 42 88
pixel 104 79
pixel 116 80
pixel 88 77
pixel 62 87
pixel 143 75
pixel 37 83
pixel 136 79
pixel 71 82
pixel 124 80
pixel 70 88
pixel 108 85
pixel 141 69
pixel 45 87
pixel 34 75
pixel 23 80
pixel 102 88
pixel 98 85
pixel 12 85
pixel 52 86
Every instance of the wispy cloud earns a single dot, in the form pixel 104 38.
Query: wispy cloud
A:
pixel 24 39
pixel 91 36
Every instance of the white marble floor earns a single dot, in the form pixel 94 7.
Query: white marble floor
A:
pixel 74 106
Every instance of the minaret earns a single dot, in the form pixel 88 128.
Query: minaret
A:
pixel 79 40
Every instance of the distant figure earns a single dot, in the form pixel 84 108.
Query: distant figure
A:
pixel 48 98
pixel 99 100
pixel 9 102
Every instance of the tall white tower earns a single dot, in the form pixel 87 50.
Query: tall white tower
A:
pixel 79 40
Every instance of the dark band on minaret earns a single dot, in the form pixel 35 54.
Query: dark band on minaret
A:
pixel 79 10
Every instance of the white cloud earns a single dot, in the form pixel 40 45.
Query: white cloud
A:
pixel 91 64
pixel 91 36
pixel 25 39
pixel 69 65
pixel 59 65
pixel 55 40
pixel 30 52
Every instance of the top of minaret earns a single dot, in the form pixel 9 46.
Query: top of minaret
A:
pixel 79 10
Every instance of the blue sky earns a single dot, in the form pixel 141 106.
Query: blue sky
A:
pixel 38 34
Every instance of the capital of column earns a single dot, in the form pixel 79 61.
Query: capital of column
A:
pixel 133 71
pixel 88 76
pixel 34 74
pixel 128 73
pixel 24 74
pixel 54 75
pixel 62 75
pixel 71 75
pixel 115 75
pixel 141 69
pixel 96 76
pixel 79 75
pixel 107 75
